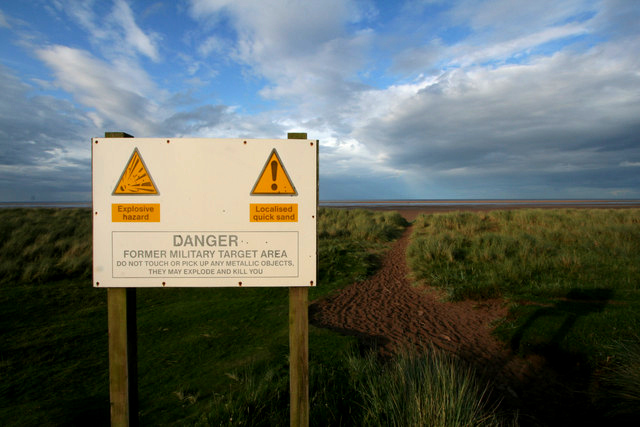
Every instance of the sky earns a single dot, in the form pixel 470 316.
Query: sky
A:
pixel 416 99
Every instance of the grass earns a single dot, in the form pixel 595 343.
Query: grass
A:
pixel 577 270
pixel 571 278
pixel 195 346
pixel 528 253
pixel 351 241
pixel 219 356
pixel 40 245
pixel 356 390
pixel 431 390
pixel 620 380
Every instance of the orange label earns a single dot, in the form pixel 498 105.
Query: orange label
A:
pixel 135 212
pixel 273 212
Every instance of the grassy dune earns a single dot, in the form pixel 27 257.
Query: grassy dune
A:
pixel 528 253
pixel 219 356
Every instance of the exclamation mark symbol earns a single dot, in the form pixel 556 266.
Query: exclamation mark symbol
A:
pixel 274 174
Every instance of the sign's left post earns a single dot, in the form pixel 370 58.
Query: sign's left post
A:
pixel 123 348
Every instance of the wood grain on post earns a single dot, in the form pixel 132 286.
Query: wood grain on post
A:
pixel 123 348
pixel 299 347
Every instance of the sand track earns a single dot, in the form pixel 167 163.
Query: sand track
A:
pixel 388 310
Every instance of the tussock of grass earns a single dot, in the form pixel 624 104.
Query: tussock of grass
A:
pixel 256 397
pixel 430 390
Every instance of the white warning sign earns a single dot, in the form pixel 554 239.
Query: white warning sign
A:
pixel 204 212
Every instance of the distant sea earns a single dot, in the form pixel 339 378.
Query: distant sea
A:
pixel 443 203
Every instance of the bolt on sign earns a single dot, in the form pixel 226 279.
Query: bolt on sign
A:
pixel 204 212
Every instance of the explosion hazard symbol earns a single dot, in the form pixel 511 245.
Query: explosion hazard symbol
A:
pixel 135 178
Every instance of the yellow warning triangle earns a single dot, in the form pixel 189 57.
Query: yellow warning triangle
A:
pixel 135 178
pixel 274 178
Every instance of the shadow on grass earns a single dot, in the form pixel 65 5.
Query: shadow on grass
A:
pixel 562 317
pixel 559 393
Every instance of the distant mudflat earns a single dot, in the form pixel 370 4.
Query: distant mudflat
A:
pixel 411 208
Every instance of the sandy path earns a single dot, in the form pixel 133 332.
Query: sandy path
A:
pixel 387 309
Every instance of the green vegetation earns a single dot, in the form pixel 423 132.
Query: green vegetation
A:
pixel 571 276
pixel 584 263
pixel 199 350
pixel 620 380
pixel 219 356
pixel 433 390
pixel 527 253
pixel 350 243
pixel 40 245
pixel 360 225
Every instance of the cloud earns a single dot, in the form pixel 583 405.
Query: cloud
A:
pixel 40 158
pixel 519 45
pixel 497 20
pixel 212 44
pixel 566 118
pixel 300 58
pixel 432 99
pixel 617 19
pixel 510 96
pixel 115 35
pixel 435 36
pixel 120 92
pixel 133 35
pixel 3 21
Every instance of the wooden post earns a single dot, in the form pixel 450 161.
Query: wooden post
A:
pixel 123 348
pixel 299 347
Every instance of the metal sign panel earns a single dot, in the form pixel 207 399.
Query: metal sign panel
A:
pixel 204 212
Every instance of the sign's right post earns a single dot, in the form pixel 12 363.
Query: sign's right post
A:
pixel 299 346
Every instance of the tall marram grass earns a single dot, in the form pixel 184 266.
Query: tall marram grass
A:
pixel 38 245
pixel 527 253
pixel 360 224
pixel 410 390
pixel 430 390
